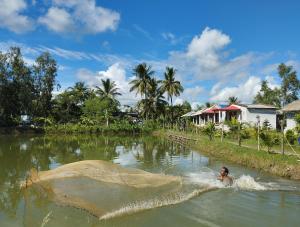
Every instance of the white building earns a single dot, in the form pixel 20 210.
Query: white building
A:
pixel 244 113
pixel 290 111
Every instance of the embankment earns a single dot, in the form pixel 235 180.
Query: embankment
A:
pixel 277 164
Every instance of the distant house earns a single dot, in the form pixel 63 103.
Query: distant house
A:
pixel 249 113
pixel 290 111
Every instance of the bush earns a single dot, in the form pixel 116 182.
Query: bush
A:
pixel 210 130
pixel 269 139
pixel 291 136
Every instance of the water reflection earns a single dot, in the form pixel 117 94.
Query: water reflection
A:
pixel 18 155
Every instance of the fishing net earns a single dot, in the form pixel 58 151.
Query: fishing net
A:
pixel 101 188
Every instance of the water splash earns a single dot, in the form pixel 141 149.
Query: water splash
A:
pixel 246 182
pixel 154 203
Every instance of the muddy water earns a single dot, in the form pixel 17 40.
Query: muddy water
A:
pixel 255 199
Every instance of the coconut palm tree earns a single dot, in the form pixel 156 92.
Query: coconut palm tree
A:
pixel 80 92
pixel 233 100
pixel 141 84
pixel 171 86
pixel 155 102
pixel 109 90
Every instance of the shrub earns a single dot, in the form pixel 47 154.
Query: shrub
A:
pixel 269 139
pixel 210 130
pixel 291 136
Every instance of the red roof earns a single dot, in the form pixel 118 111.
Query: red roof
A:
pixel 209 111
pixel 231 107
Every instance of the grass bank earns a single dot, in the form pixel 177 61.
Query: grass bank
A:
pixel 277 164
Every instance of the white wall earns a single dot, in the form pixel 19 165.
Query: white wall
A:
pixel 264 114
pixel 290 122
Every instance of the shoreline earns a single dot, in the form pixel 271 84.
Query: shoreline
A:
pixel 276 164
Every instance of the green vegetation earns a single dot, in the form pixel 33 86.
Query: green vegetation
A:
pixel 287 93
pixel 28 90
pixel 281 165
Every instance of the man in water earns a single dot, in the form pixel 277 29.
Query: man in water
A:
pixel 227 180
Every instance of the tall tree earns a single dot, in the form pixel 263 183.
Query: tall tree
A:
pixel 68 105
pixel 155 103
pixel 233 100
pixel 44 74
pixel 290 84
pixel 17 88
pixel 170 85
pixel 141 83
pixel 81 92
pixel 108 93
pixel 268 96
pixel 109 90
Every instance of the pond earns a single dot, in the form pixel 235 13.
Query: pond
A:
pixel 256 199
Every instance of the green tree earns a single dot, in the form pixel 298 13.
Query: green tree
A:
pixel 266 124
pixel 108 90
pixel 268 96
pixel 269 139
pixel 17 89
pixel 141 83
pixel 94 108
pixel 108 93
pixel 233 100
pixel 154 106
pixel 208 104
pixel 290 84
pixel 68 105
pixel 171 86
pixel 44 74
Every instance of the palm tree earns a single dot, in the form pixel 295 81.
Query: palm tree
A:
pixel 233 100
pixel 171 86
pixel 109 90
pixel 141 85
pixel 80 92
pixel 155 102
pixel 156 99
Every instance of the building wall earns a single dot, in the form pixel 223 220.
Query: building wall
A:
pixel 264 114
pixel 290 122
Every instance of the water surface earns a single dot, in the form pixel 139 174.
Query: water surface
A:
pixel 257 199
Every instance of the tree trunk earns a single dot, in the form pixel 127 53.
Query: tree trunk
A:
pixel 106 118
pixel 171 111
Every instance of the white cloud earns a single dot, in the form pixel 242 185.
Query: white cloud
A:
pixel 79 16
pixel 204 48
pixel 192 93
pixel 171 38
pixel 206 58
pixel 58 20
pixel 115 72
pixel 178 101
pixel 243 91
pixel 11 17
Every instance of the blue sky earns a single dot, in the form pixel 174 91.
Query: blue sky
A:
pixel 219 48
